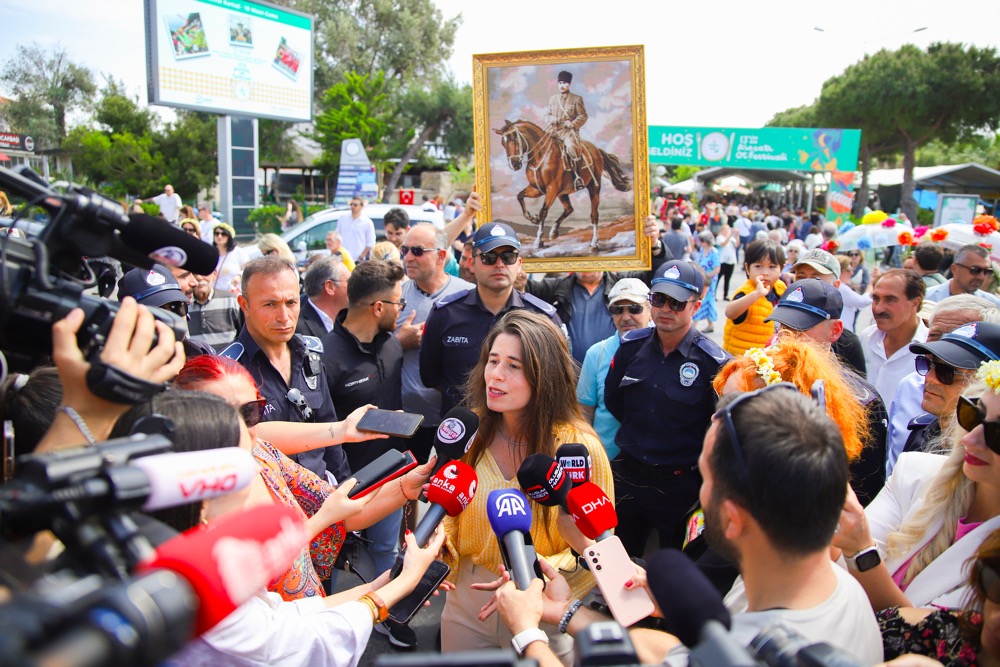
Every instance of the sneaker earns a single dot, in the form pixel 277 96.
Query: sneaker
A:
pixel 399 634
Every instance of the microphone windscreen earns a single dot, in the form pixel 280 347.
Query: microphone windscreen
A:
pixel 591 509
pixel 686 597
pixel 543 480
pixel 508 511
pixel 169 245
pixel 233 558
pixel 454 433
pixel 188 477
pixel 453 487
pixel 575 460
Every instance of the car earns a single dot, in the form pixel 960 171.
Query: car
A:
pixel 308 238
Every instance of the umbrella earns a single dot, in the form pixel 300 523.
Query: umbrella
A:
pixel 4 158
pixel 870 236
pixel 960 234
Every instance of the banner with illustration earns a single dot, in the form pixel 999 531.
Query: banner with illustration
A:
pixel 840 197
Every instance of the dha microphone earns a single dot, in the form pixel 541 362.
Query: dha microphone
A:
pixel 190 477
pixel 168 245
pixel 592 510
pixel 451 490
pixel 454 434
pixel 231 560
pixel 510 519
pixel 544 481
pixel 575 460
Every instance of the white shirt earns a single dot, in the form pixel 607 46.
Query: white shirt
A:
pixel 939 293
pixel 170 205
pixel 323 317
pixel 742 226
pixel 906 404
pixel 853 303
pixel 356 234
pixel 886 374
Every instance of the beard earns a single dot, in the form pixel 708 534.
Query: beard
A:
pixel 716 537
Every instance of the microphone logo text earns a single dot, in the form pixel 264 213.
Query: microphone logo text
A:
pixel 510 504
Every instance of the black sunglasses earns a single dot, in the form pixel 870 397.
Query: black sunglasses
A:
pixel 659 300
pixel 726 414
pixel 508 257
pixel 634 309
pixel 989 581
pixel 296 398
pixel 176 307
pixel 976 270
pixel 945 372
pixel 970 414
pixel 417 251
pixel 854 254
pixel 252 412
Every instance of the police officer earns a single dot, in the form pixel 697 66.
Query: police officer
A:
pixel 660 388
pixel 458 323
pixel 286 366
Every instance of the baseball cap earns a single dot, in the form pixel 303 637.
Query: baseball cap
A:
pixel 679 280
pixel 494 235
pixel 806 303
pixel 820 260
pixel 628 289
pixel 154 287
pixel 965 347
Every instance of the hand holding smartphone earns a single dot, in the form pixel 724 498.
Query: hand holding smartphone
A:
pixel 391 465
pixel 611 567
pixel 390 422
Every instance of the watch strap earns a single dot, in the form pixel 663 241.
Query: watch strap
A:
pixel 864 560
pixel 521 640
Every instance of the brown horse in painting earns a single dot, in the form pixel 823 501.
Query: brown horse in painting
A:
pixel 550 176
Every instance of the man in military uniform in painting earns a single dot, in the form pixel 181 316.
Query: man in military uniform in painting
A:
pixel 565 116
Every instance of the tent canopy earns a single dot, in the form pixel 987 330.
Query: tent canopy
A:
pixel 750 175
pixel 970 178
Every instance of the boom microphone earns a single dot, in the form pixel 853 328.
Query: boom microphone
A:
pixel 169 245
pixel 234 558
pixel 510 518
pixel 592 510
pixel 450 491
pixel 453 434
pixel 544 481
pixel 575 460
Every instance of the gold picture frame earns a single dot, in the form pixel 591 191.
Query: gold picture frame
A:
pixel 525 125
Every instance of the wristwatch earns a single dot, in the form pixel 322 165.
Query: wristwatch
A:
pixel 864 560
pixel 521 640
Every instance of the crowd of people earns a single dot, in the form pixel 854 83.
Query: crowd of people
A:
pixel 843 484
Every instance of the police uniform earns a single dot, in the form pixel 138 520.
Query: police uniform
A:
pixel 868 472
pixel 925 433
pixel 309 377
pixel 454 334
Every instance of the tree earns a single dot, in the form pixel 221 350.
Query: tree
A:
pixel 275 145
pixel 190 152
pixel 983 149
pixel 804 116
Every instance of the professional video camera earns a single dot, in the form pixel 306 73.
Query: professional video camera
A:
pixel 42 279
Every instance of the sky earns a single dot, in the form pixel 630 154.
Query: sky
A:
pixel 722 63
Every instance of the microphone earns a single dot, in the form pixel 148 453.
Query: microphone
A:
pixel 575 460
pixel 191 477
pixel 510 520
pixel 592 510
pixel 169 245
pixel 454 434
pixel 451 490
pixel 231 560
pixel 544 481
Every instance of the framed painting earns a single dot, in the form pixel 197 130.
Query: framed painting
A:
pixel 561 154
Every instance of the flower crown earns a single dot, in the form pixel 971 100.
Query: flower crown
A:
pixel 989 373
pixel 765 365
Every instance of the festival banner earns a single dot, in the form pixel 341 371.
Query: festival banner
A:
pixel 840 197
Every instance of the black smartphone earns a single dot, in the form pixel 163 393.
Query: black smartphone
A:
pixel 384 469
pixel 403 611
pixel 390 422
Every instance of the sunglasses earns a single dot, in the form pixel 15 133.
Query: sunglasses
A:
pixel 854 254
pixel 296 398
pixel 401 303
pixel 989 581
pixel 221 233
pixel 252 412
pixel 970 415
pixel 659 300
pixel 945 373
pixel 508 257
pixel 190 230
pixel 726 414
pixel 635 309
pixel 417 251
pixel 977 270
pixel 177 308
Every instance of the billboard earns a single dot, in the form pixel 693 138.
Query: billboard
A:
pixel 231 57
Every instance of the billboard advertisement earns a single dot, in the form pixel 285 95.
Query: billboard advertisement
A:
pixel 233 57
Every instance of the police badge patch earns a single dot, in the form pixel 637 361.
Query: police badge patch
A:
pixel 689 373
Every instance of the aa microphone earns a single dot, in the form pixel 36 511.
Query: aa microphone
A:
pixel 169 245
pixel 544 481
pixel 190 477
pixel 450 491
pixel 592 511
pixel 510 518
pixel 575 460
pixel 454 434
pixel 233 558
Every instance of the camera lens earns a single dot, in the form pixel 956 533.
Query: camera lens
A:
pixel 598 567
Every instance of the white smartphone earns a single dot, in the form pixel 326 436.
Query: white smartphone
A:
pixel 611 567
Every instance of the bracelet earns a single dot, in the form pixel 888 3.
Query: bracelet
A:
pixel 365 600
pixel 402 489
pixel 80 424
pixel 570 611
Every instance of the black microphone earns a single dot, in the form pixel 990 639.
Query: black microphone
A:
pixel 544 481
pixel 575 460
pixel 169 245
pixel 454 434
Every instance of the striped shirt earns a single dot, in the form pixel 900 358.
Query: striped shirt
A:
pixel 216 322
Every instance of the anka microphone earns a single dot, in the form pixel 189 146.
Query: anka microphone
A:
pixel 592 510
pixel 169 245
pixel 189 477
pixel 231 560
pixel 575 460
pixel 510 518
pixel 544 481
pixel 450 491
pixel 454 434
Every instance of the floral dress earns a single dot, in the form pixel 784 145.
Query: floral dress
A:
pixel 708 261
pixel 939 636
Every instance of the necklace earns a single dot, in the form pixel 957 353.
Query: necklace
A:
pixel 512 443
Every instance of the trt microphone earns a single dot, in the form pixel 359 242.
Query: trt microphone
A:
pixel 510 518
pixel 189 477
pixel 169 245
pixel 229 561
pixel 592 510
pixel 450 491
pixel 453 435
pixel 544 481
pixel 575 460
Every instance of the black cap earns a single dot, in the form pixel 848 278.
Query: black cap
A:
pixel 564 76
pixel 965 347
pixel 495 235
pixel 806 303
pixel 151 288
pixel 679 280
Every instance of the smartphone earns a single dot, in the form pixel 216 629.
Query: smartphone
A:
pixel 384 469
pixel 405 609
pixel 818 391
pixel 611 567
pixel 390 422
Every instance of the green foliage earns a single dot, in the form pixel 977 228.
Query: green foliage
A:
pixel 150 208
pixel 266 219
pixel 120 164
pixel 804 116
pixel 984 149
pixel 190 152
pixel 684 172
pixel 274 141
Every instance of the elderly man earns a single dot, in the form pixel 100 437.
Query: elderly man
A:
pixel 629 310
pixel 325 286
pixel 214 317
pixel 335 246
pixel 169 202
pixel 970 270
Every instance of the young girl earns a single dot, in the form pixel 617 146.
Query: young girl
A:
pixel 754 301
